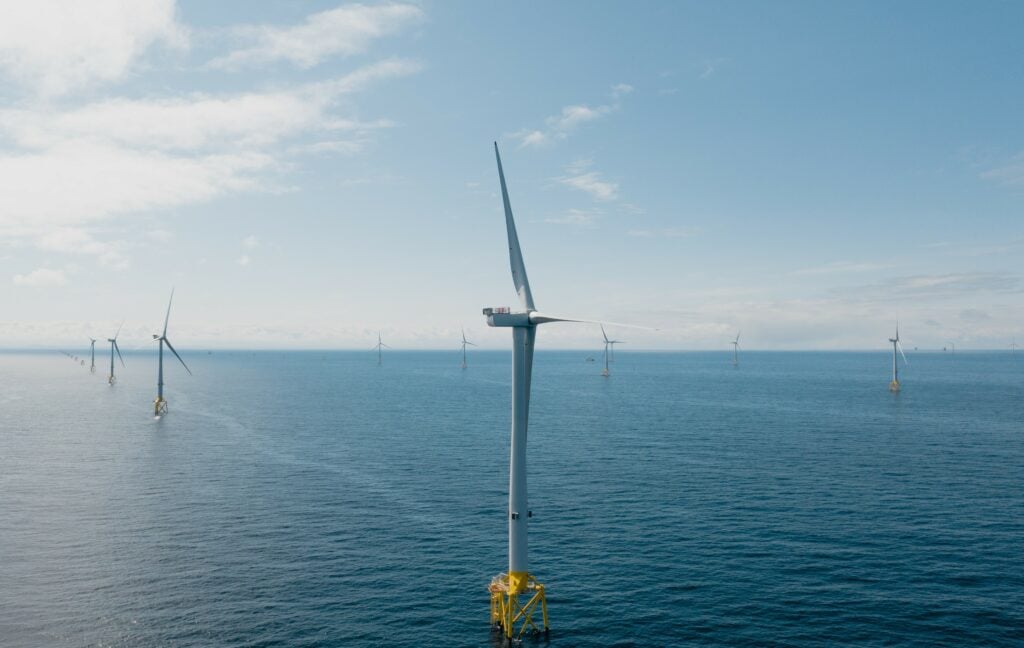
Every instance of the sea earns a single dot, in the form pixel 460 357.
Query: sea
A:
pixel 317 499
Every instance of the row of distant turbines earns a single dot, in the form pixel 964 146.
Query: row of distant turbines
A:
pixel 159 403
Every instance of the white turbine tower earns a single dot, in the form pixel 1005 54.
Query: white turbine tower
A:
pixel 1013 347
pixel 160 405
pixel 609 350
pixel 506 608
pixel 894 386
pixel 464 343
pixel 92 351
pixel 113 347
pixel 736 350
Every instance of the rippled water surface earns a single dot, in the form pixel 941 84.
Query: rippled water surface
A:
pixel 315 499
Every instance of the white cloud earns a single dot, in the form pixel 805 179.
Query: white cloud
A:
pixel 560 126
pixel 201 121
pixel 99 181
pixel 342 31
pixel 250 242
pixel 664 232
pixel 244 260
pixel 592 184
pixel 710 66
pixel 56 46
pixel 1010 173
pixel 72 240
pixel 575 217
pixel 838 267
pixel 117 157
pixel 41 277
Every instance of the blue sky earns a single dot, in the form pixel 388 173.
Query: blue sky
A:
pixel 306 173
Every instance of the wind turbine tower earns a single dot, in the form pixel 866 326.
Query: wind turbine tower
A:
pixel 508 610
pixel 380 345
pixel 894 386
pixel 92 351
pixel 160 405
pixel 736 350
pixel 464 343
pixel 113 347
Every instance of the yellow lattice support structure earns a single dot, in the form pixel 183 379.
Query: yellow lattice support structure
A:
pixel 509 614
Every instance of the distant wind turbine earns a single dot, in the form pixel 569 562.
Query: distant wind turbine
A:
pixel 92 350
pixel 113 347
pixel 464 343
pixel 1013 347
pixel 380 345
pixel 894 386
pixel 160 405
pixel 609 349
pixel 736 350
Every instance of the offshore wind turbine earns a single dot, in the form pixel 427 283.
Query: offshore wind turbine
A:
pixel 736 350
pixel 609 349
pixel 113 347
pixel 380 345
pixel 1013 347
pixel 92 350
pixel 894 386
pixel 160 405
pixel 464 343
pixel 506 608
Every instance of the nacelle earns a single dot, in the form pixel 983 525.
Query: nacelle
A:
pixel 501 316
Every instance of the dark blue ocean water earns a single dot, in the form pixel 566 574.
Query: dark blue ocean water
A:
pixel 315 499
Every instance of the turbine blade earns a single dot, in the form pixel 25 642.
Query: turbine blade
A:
pixel 118 349
pixel 177 356
pixel 515 253
pixel 470 343
pixel 119 330
pixel 899 346
pixel 166 319
pixel 542 318
pixel 603 334
pixel 384 345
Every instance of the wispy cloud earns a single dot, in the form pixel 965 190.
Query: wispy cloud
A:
pixel 560 126
pixel 592 184
pixel 343 31
pixel 709 67
pixel 579 176
pixel 42 277
pixel 935 286
pixel 840 267
pixel 118 157
pixel 582 217
pixel 59 46
pixel 1009 173
pixel 665 232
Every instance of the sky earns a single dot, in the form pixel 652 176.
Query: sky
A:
pixel 306 173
